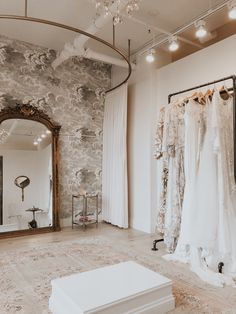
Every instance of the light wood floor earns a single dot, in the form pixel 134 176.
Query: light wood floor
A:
pixel 187 285
pixel 141 240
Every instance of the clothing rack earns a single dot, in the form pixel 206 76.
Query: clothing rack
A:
pixel 233 88
pixel 231 77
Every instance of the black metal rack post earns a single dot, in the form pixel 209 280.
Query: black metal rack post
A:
pixel 231 77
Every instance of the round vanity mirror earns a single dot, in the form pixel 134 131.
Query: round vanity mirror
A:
pixel 22 182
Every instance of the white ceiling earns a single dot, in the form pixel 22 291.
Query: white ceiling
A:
pixel 166 14
pixel 22 134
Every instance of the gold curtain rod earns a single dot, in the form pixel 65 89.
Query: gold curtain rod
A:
pixel 76 30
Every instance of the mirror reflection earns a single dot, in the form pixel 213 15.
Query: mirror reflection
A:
pixel 25 175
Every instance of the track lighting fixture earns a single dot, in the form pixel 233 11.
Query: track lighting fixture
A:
pixel 232 9
pixel 150 56
pixel 201 30
pixel 174 45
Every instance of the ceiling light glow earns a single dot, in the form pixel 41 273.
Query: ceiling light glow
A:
pixel 232 9
pixel 150 56
pixel 174 45
pixel 201 30
pixel 232 13
pixel 35 143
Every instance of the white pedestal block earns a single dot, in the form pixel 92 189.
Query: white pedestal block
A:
pixel 125 288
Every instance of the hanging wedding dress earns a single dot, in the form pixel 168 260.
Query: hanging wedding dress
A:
pixel 225 248
pixel 208 227
pixel 194 129
pixel 174 139
pixel 161 155
pixel 170 139
pixel 199 226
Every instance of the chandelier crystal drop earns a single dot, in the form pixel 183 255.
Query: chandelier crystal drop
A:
pixel 133 5
pixel 114 7
pixel 117 19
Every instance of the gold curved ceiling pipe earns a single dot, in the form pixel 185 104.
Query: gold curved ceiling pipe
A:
pixel 76 30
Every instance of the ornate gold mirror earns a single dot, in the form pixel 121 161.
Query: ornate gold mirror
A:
pixel 28 172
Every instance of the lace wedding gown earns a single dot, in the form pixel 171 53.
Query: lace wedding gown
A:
pixel 170 146
pixel 199 228
pixel 225 246
pixel 208 230
pixel 194 128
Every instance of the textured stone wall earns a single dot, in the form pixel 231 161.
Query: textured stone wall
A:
pixel 72 96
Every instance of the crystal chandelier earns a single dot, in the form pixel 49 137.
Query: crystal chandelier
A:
pixel 113 8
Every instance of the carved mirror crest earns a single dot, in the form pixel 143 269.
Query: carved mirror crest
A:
pixel 29 172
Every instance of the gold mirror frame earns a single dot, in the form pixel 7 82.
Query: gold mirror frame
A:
pixel 28 112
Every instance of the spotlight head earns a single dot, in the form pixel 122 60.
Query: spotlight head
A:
pixel 35 143
pixel 173 43
pixel 232 9
pixel 150 56
pixel 200 29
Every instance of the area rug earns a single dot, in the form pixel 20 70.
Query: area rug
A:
pixel 26 274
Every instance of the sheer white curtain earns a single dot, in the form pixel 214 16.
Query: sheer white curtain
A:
pixel 114 174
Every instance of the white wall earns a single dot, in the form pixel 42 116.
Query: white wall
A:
pixel 148 91
pixel 142 111
pixel 33 164
pixel 216 61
